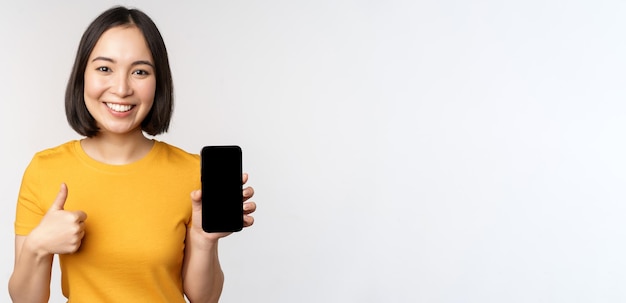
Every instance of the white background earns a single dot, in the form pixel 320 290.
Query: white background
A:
pixel 401 151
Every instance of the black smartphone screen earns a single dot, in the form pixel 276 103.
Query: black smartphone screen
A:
pixel 222 199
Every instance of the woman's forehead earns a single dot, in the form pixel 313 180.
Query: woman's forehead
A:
pixel 122 43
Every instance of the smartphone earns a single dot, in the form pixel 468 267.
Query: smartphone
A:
pixel 222 197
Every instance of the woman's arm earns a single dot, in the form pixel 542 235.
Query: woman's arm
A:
pixel 30 281
pixel 59 232
pixel 203 278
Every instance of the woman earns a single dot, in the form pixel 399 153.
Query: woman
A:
pixel 122 221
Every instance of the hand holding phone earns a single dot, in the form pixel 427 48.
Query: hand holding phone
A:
pixel 222 198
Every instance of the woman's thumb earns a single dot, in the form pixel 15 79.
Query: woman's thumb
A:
pixel 59 202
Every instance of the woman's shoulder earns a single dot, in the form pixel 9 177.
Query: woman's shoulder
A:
pixel 175 153
pixel 58 157
pixel 58 152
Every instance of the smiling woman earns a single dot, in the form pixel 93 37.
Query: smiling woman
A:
pixel 94 41
pixel 119 83
pixel 126 231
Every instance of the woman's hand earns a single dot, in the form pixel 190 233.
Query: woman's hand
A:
pixel 60 231
pixel 196 199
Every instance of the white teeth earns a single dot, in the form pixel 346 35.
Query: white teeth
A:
pixel 119 107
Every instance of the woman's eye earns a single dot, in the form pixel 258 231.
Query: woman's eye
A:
pixel 141 72
pixel 103 69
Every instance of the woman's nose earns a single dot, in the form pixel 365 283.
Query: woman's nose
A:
pixel 121 86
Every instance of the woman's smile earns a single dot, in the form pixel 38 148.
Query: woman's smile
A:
pixel 119 108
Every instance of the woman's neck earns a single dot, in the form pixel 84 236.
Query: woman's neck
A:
pixel 117 149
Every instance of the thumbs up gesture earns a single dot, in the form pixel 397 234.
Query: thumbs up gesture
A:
pixel 60 231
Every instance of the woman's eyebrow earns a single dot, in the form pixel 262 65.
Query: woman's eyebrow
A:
pixel 143 62
pixel 138 62
pixel 103 59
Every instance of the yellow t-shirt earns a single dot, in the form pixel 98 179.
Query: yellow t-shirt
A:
pixel 137 216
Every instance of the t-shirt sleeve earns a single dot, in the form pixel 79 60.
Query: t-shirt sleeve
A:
pixel 29 211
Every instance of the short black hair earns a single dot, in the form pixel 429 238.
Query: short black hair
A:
pixel 158 119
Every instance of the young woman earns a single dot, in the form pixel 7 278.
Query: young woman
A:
pixel 116 206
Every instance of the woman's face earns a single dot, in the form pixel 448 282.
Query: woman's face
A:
pixel 119 80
